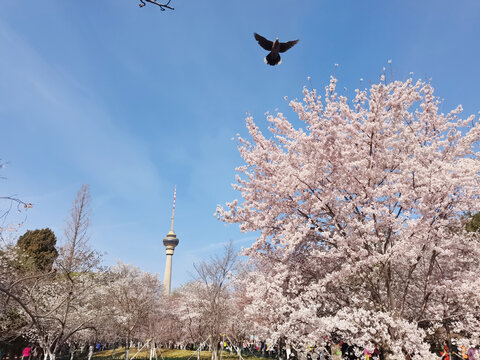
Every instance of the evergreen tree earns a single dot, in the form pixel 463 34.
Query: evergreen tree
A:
pixel 39 247
pixel 473 224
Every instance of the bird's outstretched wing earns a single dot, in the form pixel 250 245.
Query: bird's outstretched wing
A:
pixel 264 43
pixel 287 45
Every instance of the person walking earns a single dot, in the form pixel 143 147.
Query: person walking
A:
pixel 336 350
pixel 463 353
pixel 288 350
pixel 444 353
pixel 472 354
pixel 26 352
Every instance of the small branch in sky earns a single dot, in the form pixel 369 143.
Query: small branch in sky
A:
pixel 162 6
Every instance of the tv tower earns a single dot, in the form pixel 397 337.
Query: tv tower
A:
pixel 170 243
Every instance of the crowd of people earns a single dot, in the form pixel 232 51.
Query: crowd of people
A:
pixel 340 350
pixel 259 348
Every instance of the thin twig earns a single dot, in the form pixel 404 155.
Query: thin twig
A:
pixel 162 6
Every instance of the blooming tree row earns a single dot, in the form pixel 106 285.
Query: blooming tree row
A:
pixel 77 300
pixel 61 298
pixel 206 311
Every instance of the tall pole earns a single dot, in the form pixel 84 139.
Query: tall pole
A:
pixel 170 242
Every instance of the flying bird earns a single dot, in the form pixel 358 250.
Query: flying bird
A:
pixel 275 47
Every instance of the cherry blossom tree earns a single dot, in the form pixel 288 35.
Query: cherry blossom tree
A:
pixel 213 293
pixel 72 301
pixel 13 267
pixel 8 204
pixel 60 303
pixel 239 326
pixel 190 304
pixel 205 306
pixel 15 317
pixel 360 213
pixel 136 297
pixel 77 300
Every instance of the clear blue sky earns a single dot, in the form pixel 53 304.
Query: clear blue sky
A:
pixel 134 100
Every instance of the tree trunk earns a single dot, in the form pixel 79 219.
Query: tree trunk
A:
pixel 281 345
pixel 214 348
pixel 127 347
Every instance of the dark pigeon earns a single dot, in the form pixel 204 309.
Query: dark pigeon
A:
pixel 275 47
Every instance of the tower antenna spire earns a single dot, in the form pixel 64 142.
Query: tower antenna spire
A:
pixel 173 210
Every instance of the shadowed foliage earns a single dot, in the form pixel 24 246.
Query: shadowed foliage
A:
pixel 473 224
pixel 39 247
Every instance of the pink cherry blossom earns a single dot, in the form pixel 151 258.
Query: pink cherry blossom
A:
pixel 360 220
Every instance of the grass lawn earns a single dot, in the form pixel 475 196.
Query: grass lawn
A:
pixel 166 354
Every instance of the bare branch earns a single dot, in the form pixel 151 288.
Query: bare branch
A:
pixel 22 305
pixel 162 6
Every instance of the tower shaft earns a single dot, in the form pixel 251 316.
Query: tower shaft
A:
pixel 167 277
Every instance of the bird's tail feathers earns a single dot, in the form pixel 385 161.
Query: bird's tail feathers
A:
pixel 273 59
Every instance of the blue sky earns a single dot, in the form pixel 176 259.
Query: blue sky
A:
pixel 134 100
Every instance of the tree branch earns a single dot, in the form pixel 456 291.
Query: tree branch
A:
pixel 22 305
pixel 162 6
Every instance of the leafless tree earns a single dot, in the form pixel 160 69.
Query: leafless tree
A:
pixel 76 255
